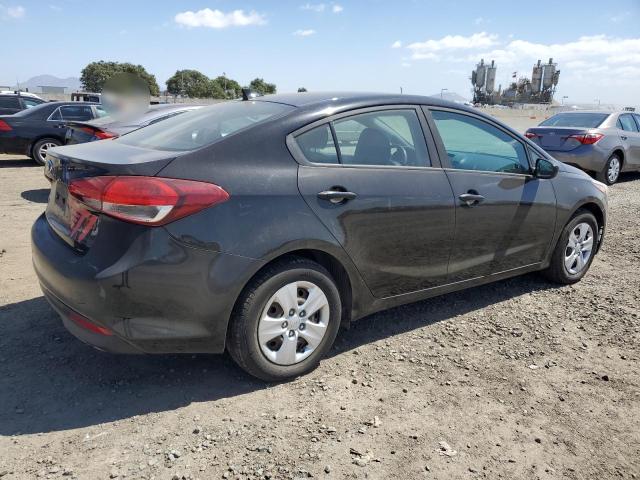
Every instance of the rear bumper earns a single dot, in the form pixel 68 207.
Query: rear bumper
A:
pixel 585 157
pixel 154 294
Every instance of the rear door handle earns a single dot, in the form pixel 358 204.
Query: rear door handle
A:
pixel 336 196
pixel 623 137
pixel 471 199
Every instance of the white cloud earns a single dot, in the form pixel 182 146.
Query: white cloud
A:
pixel 621 17
pixel 55 8
pixel 337 8
pixel 12 12
pixel 405 64
pixel 430 49
pixel 218 19
pixel 396 44
pixel 304 33
pixel 314 7
pixel 479 20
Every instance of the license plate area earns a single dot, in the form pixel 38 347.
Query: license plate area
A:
pixel 69 218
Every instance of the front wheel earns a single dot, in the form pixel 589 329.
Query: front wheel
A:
pixel 285 321
pixel 611 171
pixel 40 148
pixel 575 249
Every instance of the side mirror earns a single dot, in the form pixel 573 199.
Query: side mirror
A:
pixel 545 169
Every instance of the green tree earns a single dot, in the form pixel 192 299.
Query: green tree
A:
pixel 302 90
pixel 94 75
pixel 260 86
pixel 228 85
pixel 189 82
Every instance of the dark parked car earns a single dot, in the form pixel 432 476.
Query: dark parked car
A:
pixel 34 131
pixel 11 103
pixel 604 143
pixel 110 127
pixel 263 226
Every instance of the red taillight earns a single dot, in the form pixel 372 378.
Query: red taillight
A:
pixel 87 324
pixel 531 135
pixel 4 126
pixel 587 138
pixel 146 200
pixel 100 134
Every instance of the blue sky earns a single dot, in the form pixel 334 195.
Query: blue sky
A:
pixel 374 45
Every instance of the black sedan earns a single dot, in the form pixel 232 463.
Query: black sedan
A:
pixel 114 126
pixel 34 131
pixel 263 226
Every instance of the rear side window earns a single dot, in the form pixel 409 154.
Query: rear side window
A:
pixel 317 145
pixel 76 113
pixel 473 144
pixel 198 128
pixel 580 120
pixel 626 123
pixel 9 101
pixel 384 138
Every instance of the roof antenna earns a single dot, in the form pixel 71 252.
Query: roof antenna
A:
pixel 248 94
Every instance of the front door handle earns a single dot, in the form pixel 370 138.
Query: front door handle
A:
pixel 336 196
pixel 471 199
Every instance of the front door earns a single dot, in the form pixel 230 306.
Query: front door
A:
pixel 505 217
pixel 369 178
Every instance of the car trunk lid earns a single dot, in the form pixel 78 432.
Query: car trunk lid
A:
pixel 559 139
pixel 72 220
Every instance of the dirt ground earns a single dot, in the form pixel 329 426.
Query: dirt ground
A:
pixel 515 380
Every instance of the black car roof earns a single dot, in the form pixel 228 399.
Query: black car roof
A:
pixel 344 99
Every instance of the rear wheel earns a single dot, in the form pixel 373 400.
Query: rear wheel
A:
pixel 285 321
pixel 575 249
pixel 39 149
pixel 611 171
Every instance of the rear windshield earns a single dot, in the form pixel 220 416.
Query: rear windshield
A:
pixel 204 126
pixel 582 120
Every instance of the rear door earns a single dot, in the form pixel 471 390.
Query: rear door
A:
pixel 505 217
pixel 629 132
pixel 371 179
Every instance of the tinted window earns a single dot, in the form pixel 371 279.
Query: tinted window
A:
pixel 30 102
pixel 55 115
pixel 204 126
pixel 626 123
pixel 582 120
pixel 317 145
pixel 637 119
pixel 9 101
pixel 474 144
pixel 389 137
pixel 101 112
pixel 76 112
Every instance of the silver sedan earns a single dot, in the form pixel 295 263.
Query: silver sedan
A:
pixel 605 143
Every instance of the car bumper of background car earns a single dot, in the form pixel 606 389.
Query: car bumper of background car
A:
pixel 585 157
pixel 153 295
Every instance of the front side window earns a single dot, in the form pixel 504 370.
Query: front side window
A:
pixel 473 144
pixel 30 103
pixel 76 113
pixel 626 123
pixel 387 137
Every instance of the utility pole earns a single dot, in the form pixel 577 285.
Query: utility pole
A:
pixel 442 90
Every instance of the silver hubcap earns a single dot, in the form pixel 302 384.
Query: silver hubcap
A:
pixel 42 153
pixel 614 170
pixel 293 323
pixel 579 248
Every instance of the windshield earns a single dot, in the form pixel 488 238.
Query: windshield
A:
pixel 581 120
pixel 204 126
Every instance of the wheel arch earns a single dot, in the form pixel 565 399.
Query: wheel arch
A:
pixel 43 137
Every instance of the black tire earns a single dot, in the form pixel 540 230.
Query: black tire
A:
pixel 242 338
pixel 557 271
pixel 603 175
pixel 36 153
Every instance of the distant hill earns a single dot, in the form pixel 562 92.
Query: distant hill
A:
pixel 451 96
pixel 71 83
